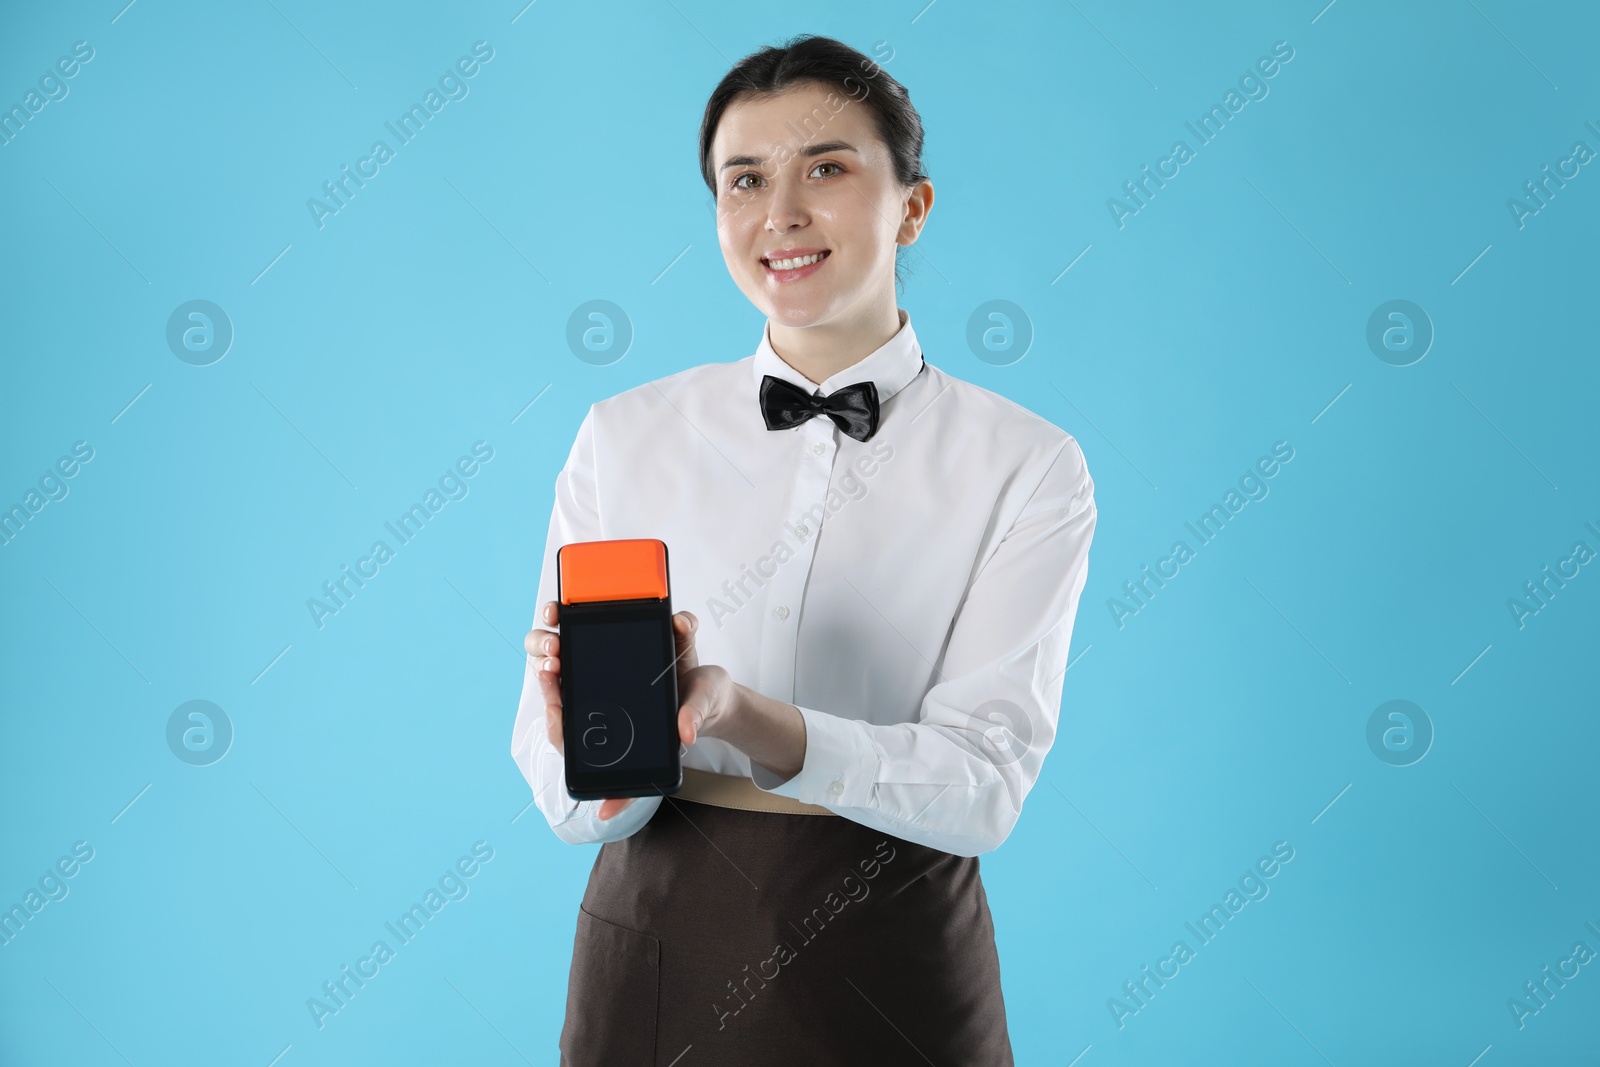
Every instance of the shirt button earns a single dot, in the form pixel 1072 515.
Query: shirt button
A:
pixel 782 611
pixel 835 788
pixel 819 448
pixel 801 531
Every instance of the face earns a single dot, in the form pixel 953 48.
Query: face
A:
pixel 804 174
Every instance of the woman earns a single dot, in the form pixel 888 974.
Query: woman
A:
pixel 889 560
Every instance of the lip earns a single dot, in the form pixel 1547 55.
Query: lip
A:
pixel 798 273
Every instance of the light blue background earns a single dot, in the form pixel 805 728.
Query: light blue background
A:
pixel 1226 315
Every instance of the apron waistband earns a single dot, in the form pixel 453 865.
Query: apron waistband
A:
pixel 737 791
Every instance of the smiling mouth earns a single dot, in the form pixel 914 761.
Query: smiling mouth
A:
pixel 781 266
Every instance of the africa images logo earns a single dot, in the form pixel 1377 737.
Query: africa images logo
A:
pixel 411 122
pixel 853 889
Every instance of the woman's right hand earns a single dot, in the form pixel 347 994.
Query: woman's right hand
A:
pixel 546 644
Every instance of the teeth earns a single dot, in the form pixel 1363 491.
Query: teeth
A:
pixel 794 264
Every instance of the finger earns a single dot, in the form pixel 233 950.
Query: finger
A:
pixel 545 648
pixel 612 806
pixel 533 642
pixel 539 642
pixel 688 729
pixel 551 686
pixel 544 664
pixel 692 711
pixel 684 625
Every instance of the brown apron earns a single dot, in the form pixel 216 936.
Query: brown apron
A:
pixel 717 936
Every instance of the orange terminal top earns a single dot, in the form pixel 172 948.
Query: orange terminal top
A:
pixel 627 569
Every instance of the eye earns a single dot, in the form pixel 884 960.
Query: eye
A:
pixel 743 188
pixel 838 169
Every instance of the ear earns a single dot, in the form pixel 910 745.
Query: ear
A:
pixel 919 201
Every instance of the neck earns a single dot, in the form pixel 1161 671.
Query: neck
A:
pixel 820 352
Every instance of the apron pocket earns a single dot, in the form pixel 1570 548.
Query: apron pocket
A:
pixel 611 996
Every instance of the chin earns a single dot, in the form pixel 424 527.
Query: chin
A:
pixel 797 310
pixel 798 316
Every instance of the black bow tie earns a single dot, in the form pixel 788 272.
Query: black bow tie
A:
pixel 854 408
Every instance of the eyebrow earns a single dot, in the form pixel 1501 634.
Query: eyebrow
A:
pixel 819 149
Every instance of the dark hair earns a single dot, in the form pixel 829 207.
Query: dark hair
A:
pixel 809 58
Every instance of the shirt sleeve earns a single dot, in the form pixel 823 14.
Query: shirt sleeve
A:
pixel 575 516
pixel 956 778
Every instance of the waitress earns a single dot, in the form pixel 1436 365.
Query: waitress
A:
pixel 885 562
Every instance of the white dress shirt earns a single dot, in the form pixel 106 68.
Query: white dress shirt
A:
pixel 913 595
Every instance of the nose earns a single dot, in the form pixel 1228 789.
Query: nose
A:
pixel 786 208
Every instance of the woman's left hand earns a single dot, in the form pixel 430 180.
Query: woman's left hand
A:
pixel 772 733
pixel 707 696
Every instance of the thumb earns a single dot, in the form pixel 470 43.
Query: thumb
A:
pixel 684 625
pixel 613 806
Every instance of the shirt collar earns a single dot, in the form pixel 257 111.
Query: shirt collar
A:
pixel 890 368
